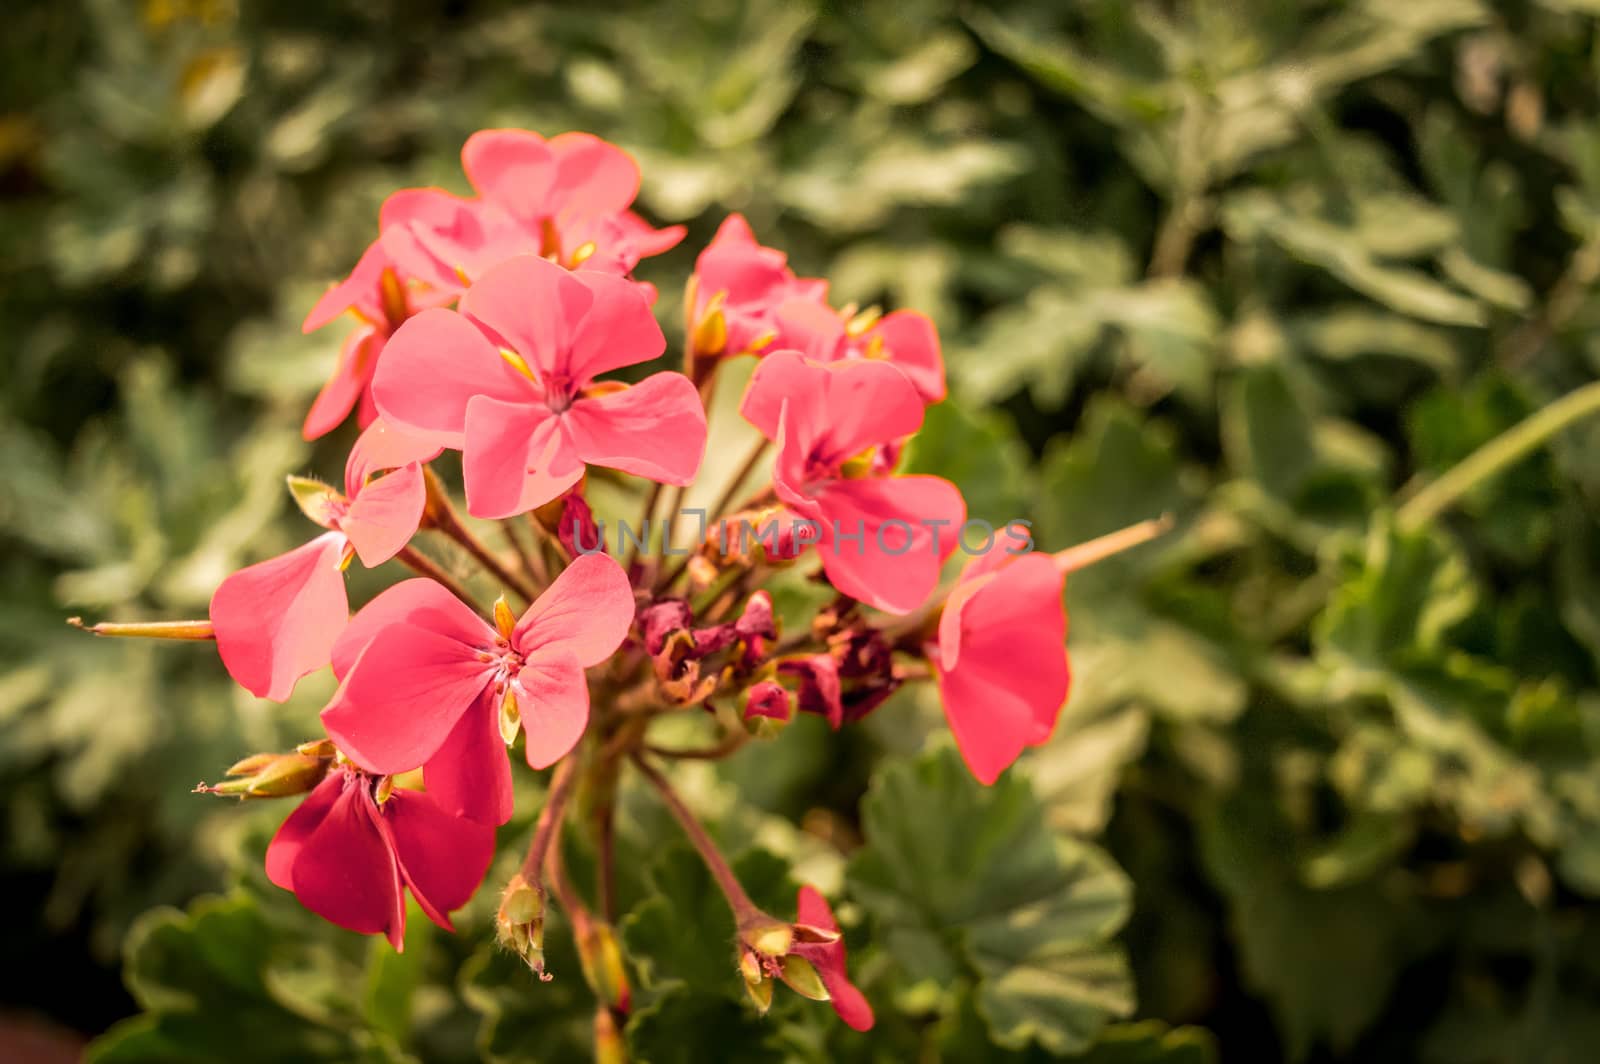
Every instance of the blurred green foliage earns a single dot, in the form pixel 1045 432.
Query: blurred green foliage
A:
pixel 1268 266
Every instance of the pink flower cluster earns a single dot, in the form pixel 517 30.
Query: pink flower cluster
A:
pixel 490 325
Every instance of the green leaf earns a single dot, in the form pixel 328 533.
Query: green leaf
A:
pixel 687 1028
pixel 985 890
pixel 222 983
pixel 981 454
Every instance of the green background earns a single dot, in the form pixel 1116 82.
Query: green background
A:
pixel 1326 788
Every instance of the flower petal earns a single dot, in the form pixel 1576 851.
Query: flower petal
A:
pixel 383 446
pixel 470 776
pixel 292 834
pixel 594 177
pixel 442 858
pixel 911 344
pixel 432 367
pixel 554 698
pixel 512 167
pixel 617 330
pixel 991 725
pixel 277 620
pixel 585 612
pixel 534 307
pixel 347 874
pixel 358 357
pixel 877 539
pixel 654 429
pixel 403 697
pixel 358 291
pixel 420 602
pixel 383 515
pixel 516 456
pixel 829 961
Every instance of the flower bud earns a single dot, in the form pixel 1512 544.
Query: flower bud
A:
pixel 271 776
pixel 519 924
pixel 766 709
pixel 601 959
pixel 710 335
pixel 609 1047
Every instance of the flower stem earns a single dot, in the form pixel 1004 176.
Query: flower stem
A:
pixel 423 565
pixel 1496 456
pixel 715 863
pixel 745 469
pixel 441 516
pixel 549 823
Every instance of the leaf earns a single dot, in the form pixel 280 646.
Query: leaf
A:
pixel 686 1028
pixel 212 984
pixel 987 891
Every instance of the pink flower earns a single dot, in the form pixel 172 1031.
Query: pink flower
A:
pixel 882 538
pixel 1000 657
pixel 746 282
pixel 381 292
pixel 828 958
pixel 510 382
pixel 574 189
pixel 905 338
pixel 428 682
pixel 277 620
pixel 449 242
pixel 350 858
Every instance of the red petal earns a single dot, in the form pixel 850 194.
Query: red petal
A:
pixel 442 858
pixel 346 873
pixel 470 776
pixel 516 456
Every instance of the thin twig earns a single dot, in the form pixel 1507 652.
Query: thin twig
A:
pixel 423 565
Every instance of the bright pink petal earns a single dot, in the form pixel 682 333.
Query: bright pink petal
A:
pixel 420 602
pixel 403 696
pixel 787 377
pixel 358 357
pixel 424 206
pixel 654 429
pixel 812 328
pixel 991 725
pixel 359 291
pixel 383 446
pixel 554 699
pixel 534 307
pixel 911 344
pixel 829 961
pixel 594 178
pixel 648 240
pixel 346 873
pixel 1008 632
pixel 585 612
pixel 292 834
pixel 277 620
pixel 617 330
pixel 868 403
pixel 893 566
pixel 432 367
pixel 384 515
pixel 442 858
pixel 516 456
pixel 470 776
pixel 512 167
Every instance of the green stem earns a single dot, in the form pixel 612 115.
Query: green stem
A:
pixel 1496 456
